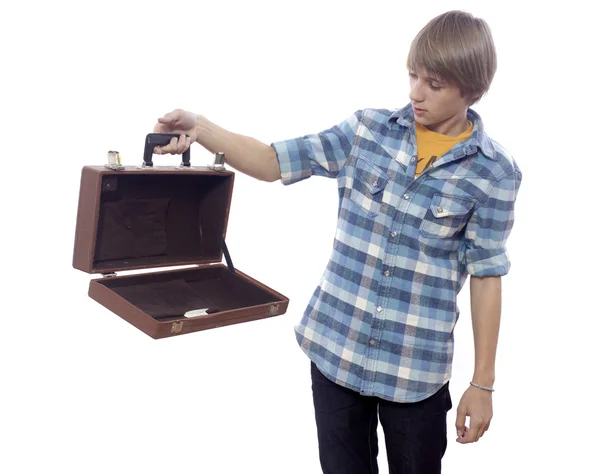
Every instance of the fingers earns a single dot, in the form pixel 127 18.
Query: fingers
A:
pixel 482 424
pixel 182 144
pixel 180 122
pixel 475 428
pixel 461 419
pixel 170 119
pixel 473 432
pixel 464 438
pixel 485 425
pixel 478 408
pixel 468 435
pixel 176 146
pixel 168 123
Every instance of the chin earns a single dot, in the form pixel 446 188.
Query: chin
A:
pixel 422 121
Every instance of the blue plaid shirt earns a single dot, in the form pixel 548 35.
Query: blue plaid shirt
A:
pixel 381 320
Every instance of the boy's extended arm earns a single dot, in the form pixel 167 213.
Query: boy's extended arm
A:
pixel 245 154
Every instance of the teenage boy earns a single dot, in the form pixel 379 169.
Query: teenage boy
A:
pixel 426 199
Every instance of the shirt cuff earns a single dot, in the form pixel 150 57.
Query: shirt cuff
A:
pixel 294 160
pixel 483 263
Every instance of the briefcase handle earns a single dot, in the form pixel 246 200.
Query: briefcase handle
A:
pixel 161 139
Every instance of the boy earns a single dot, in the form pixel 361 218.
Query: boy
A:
pixel 426 198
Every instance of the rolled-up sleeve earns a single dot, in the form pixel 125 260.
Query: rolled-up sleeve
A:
pixel 490 226
pixel 320 154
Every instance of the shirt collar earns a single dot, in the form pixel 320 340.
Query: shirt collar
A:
pixel 404 117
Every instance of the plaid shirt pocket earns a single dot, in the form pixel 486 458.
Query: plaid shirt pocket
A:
pixel 368 185
pixel 447 216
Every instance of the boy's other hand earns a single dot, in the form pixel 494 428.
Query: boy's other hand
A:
pixel 477 405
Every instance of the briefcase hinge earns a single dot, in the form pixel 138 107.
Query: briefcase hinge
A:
pixel 109 275
pixel 176 327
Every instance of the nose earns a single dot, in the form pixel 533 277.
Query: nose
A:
pixel 416 92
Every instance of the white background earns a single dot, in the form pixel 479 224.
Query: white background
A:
pixel 82 391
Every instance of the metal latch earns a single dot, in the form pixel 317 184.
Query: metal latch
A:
pixel 219 164
pixel 109 275
pixel 114 161
pixel 176 327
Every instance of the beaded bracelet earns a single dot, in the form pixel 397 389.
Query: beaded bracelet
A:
pixel 489 389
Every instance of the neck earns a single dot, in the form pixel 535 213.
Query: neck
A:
pixel 452 127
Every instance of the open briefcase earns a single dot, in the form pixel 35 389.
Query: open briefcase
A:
pixel 133 218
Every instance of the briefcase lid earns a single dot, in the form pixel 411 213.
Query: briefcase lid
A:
pixel 146 217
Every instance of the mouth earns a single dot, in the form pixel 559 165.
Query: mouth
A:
pixel 418 111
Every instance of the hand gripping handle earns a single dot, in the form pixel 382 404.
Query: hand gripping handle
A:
pixel 161 139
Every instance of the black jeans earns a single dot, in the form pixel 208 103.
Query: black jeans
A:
pixel 415 433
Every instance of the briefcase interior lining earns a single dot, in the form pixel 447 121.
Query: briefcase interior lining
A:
pixel 151 220
pixel 169 295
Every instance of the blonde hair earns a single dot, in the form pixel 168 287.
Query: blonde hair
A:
pixel 458 48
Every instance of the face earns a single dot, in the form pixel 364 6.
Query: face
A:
pixel 437 104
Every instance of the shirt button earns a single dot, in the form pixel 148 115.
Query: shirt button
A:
pixel 379 309
pixel 394 234
pixel 372 342
pixel 407 196
pixel 440 209
pixel 413 159
pixel 374 182
pixel 387 273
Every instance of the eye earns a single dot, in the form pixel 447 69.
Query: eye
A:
pixel 412 75
pixel 434 87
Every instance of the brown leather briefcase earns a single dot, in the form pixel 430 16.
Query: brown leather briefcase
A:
pixel 131 219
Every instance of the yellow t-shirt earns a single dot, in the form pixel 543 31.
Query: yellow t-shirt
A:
pixel 432 145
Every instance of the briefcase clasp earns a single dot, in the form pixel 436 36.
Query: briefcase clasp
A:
pixel 176 327
pixel 114 161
